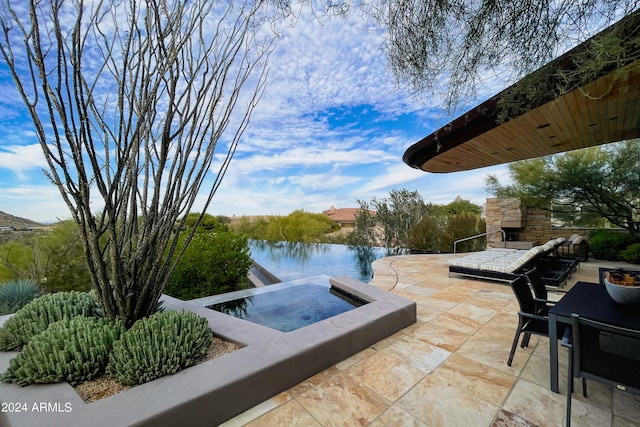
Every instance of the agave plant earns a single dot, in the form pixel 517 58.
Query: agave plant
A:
pixel 15 294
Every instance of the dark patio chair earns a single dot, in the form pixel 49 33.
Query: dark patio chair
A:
pixel 605 353
pixel 539 288
pixel 532 317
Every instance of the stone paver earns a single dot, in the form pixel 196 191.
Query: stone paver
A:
pixel 449 368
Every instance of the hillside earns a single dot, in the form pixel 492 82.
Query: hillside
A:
pixel 17 223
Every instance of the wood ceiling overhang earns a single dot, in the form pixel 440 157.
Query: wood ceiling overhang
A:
pixel 603 111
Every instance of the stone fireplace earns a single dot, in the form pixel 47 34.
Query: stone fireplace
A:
pixel 510 216
pixel 523 226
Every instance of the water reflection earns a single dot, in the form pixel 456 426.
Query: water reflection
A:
pixel 236 308
pixel 364 256
pixel 295 260
pixel 294 250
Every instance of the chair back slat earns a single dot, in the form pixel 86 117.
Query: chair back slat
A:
pixel 539 289
pixel 522 291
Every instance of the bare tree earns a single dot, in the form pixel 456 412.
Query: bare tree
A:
pixel 456 44
pixel 131 102
pixel 388 220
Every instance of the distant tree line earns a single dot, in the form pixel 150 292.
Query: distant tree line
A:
pixel 298 226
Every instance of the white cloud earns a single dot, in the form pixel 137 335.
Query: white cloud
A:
pixel 41 203
pixel 470 185
pixel 317 67
pixel 331 128
pixel 323 181
pixel 395 176
pixel 22 158
pixel 311 156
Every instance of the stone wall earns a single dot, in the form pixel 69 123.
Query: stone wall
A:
pixel 538 226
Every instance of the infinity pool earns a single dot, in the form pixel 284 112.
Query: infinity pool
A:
pixel 289 306
pixel 294 260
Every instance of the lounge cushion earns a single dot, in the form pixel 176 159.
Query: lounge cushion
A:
pixel 496 266
pixel 505 264
pixel 549 245
pixel 501 260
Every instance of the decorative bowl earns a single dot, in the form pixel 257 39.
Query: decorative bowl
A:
pixel 623 287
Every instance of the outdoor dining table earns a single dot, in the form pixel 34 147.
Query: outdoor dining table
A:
pixel 590 300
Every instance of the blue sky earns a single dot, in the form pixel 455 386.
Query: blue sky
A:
pixel 331 128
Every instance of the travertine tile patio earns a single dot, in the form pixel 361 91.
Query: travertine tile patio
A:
pixel 447 369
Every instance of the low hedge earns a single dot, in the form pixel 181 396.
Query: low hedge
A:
pixel 631 253
pixel 608 244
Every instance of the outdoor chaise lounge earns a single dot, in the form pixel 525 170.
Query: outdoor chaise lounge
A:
pixel 507 264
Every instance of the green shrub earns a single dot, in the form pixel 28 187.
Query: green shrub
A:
pixel 437 233
pixel 426 236
pixel 215 262
pixel 461 226
pixel 159 345
pixel 607 244
pixel 73 350
pixel 36 316
pixel 66 267
pixel 631 254
pixel 15 294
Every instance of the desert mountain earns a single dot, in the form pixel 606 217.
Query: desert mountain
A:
pixel 17 223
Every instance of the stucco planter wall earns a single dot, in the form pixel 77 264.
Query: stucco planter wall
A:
pixel 212 392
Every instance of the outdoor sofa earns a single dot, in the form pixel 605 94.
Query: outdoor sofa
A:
pixel 505 265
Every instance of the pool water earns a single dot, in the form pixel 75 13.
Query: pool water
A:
pixel 290 307
pixel 294 260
